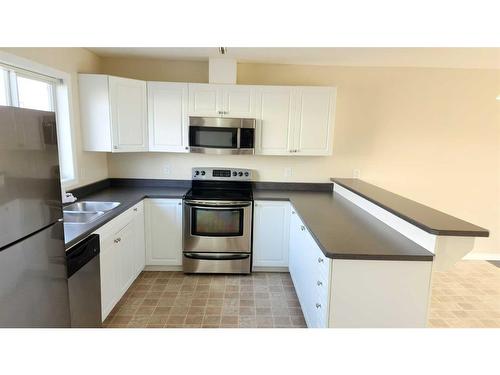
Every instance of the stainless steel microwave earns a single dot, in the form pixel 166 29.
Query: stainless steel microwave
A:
pixel 221 135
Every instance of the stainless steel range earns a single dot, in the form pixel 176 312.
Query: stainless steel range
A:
pixel 218 221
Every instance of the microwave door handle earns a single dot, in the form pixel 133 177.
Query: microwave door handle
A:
pixel 238 138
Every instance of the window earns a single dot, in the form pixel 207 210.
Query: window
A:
pixel 25 89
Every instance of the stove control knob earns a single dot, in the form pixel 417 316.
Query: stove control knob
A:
pixel 246 174
pixel 240 174
pixel 203 173
pixel 197 173
pixel 235 174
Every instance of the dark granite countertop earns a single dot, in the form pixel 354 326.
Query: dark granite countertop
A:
pixel 341 229
pixel 344 231
pixel 424 217
pixel 127 196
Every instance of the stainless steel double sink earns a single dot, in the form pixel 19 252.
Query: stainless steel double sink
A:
pixel 86 211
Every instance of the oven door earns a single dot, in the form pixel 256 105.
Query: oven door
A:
pixel 217 226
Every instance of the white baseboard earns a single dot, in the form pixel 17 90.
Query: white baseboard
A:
pixel 482 256
pixel 163 268
pixel 270 269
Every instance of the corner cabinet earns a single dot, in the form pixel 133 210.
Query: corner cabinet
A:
pixel 122 255
pixel 113 113
pixel 221 100
pixel 167 117
pixel 271 234
pixel 163 232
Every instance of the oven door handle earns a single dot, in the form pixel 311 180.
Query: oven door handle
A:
pixel 216 256
pixel 221 205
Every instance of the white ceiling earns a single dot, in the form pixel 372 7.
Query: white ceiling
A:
pixel 485 58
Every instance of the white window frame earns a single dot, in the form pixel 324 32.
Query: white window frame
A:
pixel 63 101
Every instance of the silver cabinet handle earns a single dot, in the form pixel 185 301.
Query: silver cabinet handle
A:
pixel 293 212
pixel 318 305
pixel 302 227
pixel 115 147
pixel 319 283
pixel 187 148
pixel 320 260
pixel 135 209
pixel 117 240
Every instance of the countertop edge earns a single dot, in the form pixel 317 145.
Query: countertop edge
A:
pixel 438 232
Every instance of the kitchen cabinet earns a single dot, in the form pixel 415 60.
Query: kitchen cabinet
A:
pixel 113 113
pixel 163 232
pixel 221 100
pixel 275 120
pixel 271 234
pixel 121 256
pixel 314 120
pixel 295 120
pixel 310 272
pixel 167 117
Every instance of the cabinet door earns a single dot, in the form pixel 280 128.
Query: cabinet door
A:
pixel 108 270
pixel 127 99
pixel 271 234
pixel 275 121
pixel 126 263
pixel 164 232
pixel 167 116
pixel 205 100
pixel 239 101
pixel 140 240
pixel 314 120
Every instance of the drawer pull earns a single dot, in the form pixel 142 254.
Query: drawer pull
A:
pixel 302 227
pixel 320 260
pixel 293 212
pixel 319 283
pixel 318 305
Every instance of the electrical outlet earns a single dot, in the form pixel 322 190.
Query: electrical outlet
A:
pixel 166 169
pixel 288 172
pixel 356 173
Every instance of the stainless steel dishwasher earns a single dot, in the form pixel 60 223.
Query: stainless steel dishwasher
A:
pixel 84 283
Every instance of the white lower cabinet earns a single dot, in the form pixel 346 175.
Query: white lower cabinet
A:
pixel 310 272
pixel 122 255
pixel 271 233
pixel 163 232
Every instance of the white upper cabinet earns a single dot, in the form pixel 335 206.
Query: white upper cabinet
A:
pixel 221 100
pixel 295 120
pixel 273 135
pixel 167 116
pixel 314 117
pixel 205 100
pixel 113 113
pixel 239 101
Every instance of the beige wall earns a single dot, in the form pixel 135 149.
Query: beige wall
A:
pixel 91 166
pixel 432 135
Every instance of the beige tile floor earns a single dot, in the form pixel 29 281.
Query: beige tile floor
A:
pixel 468 295
pixel 175 300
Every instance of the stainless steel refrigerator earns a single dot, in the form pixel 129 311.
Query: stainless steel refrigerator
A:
pixel 33 279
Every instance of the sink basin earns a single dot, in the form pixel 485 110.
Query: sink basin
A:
pixel 87 206
pixel 80 217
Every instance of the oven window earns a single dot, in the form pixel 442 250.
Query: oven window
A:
pixel 217 223
pixel 203 136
